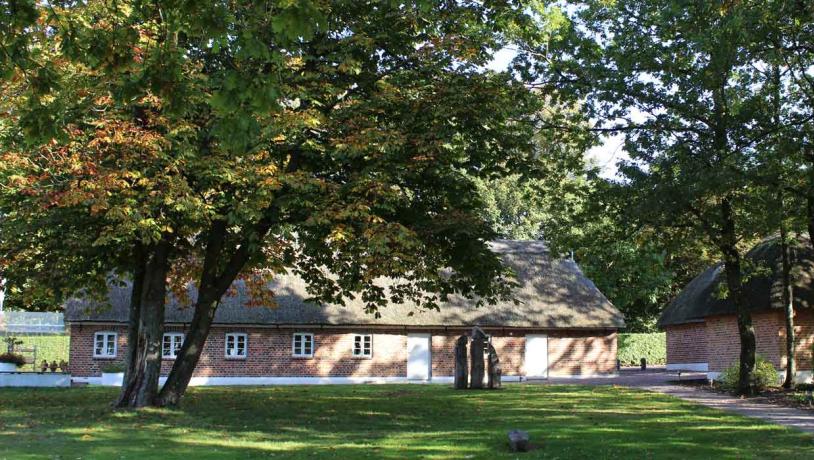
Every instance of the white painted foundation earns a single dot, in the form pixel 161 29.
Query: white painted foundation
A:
pixel 34 379
pixel 262 381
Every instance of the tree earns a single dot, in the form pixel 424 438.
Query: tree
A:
pixel 233 141
pixel 679 82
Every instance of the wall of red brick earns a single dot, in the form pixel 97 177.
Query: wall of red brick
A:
pixel 510 348
pixel 723 340
pixel 581 352
pixel 804 339
pixel 270 353
pixel 687 343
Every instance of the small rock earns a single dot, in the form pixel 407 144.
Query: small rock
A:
pixel 519 440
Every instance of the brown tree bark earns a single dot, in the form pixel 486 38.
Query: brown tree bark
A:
pixel 788 303
pixel 142 385
pixel 131 358
pixel 212 286
pixel 734 281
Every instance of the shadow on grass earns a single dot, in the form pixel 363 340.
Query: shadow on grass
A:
pixel 384 421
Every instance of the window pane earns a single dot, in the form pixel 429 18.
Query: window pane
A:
pixel 166 345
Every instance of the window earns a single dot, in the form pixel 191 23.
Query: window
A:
pixel 303 344
pixel 363 345
pixel 104 345
pixel 171 345
pixel 236 345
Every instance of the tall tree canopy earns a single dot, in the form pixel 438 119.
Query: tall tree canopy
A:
pixel 686 84
pixel 203 143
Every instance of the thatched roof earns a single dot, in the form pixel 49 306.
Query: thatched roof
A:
pixel 551 294
pixel 763 289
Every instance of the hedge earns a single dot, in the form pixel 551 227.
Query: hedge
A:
pixel 633 347
pixel 49 347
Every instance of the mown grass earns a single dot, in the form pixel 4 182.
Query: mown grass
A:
pixel 386 421
pixel 49 347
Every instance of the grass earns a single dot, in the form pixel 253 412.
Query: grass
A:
pixel 49 347
pixel 384 421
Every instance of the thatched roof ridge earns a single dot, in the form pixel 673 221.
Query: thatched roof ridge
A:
pixel 551 294
pixel 763 289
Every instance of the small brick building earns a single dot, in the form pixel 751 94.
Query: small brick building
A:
pixel 562 326
pixel 702 327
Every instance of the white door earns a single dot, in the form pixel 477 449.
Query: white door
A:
pixel 418 356
pixel 536 359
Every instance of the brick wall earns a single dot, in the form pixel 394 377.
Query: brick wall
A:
pixel 804 339
pixel 581 352
pixel 724 343
pixel 270 353
pixel 687 343
pixel 510 347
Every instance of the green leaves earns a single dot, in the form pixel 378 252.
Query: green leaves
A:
pixel 334 138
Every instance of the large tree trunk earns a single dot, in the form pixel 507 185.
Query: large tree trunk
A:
pixel 809 155
pixel 211 287
pixel 788 303
pixel 190 353
pixel 734 282
pixel 131 358
pixel 142 385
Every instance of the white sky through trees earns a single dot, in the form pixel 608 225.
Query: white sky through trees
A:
pixel 606 155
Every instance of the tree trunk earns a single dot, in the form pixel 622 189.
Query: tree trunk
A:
pixel 142 384
pixel 734 281
pixel 212 286
pixel 809 155
pixel 788 303
pixel 190 353
pixel 131 358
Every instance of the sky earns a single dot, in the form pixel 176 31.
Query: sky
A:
pixel 605 155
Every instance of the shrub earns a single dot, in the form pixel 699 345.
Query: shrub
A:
pixel 12 358
pixel 765 375
pixel 651 346
pixel 113 368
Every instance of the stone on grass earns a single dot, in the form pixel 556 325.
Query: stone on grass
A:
pixel 461 370
pixel 519 440
pixel 476 352
pixel 494 370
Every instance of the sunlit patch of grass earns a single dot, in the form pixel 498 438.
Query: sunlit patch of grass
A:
pixel 384 421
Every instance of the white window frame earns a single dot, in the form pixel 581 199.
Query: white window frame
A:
pixel 300 353
pixel 361 353
pixel 105 336
pixel 173 350
pixel 235 336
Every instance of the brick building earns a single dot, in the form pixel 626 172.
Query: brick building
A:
pixel 702 328
pixel 561 326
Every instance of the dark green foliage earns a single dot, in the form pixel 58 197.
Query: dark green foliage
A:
pixel 633 347
pixel 113 368
pixel 12 358
pixel 764 376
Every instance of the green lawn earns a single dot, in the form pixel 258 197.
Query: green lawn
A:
pixel 49 347
pixel 384 421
